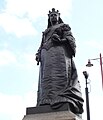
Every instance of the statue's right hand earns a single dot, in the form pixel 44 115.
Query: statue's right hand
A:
pixel 37 58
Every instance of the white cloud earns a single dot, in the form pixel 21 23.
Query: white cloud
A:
pixel 96 44
pixel 30 58
pixel 38 8
pixel 13 24
pixel 7 57
pixel 18 15
pixel 26 60
pixel 4 45
pixel 95 107
pixel 96 104
pixel 31 98
pixel 12 106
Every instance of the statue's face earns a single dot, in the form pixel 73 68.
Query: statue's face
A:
pixel 54 18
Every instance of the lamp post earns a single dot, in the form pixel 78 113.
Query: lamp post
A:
pixel 90 65
pixel 87 95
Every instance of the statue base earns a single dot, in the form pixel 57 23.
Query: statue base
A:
pixel 61 115
pixel 46 109
pixel 46 113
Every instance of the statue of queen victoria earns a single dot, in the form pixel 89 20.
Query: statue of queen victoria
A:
pixel 58 79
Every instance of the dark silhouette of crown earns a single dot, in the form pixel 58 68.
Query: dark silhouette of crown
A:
pixel 53 12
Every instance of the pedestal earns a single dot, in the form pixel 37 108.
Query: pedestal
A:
pixel 46 113
pixel 61 115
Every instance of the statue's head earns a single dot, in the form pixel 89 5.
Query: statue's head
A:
pixel 54 16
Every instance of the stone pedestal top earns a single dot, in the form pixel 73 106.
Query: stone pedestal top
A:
pixel 61 115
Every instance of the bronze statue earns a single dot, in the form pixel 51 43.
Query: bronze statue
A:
pixel 58 79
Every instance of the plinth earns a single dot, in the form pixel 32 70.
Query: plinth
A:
pixel 46 113
pixel 61 115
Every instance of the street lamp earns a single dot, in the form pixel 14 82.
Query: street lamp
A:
pixel 87 95
pixel 90 65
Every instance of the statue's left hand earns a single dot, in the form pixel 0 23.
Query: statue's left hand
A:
pixel 55 38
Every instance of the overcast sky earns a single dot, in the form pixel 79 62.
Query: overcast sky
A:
pixel 21 26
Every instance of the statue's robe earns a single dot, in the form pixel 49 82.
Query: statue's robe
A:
pixel 58 79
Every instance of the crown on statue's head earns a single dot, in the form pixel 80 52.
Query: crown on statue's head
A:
pixel 53 12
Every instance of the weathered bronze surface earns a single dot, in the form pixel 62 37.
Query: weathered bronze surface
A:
pixel 58 79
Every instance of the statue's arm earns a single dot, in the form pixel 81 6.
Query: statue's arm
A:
pixel 38 54
pixel 68 38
